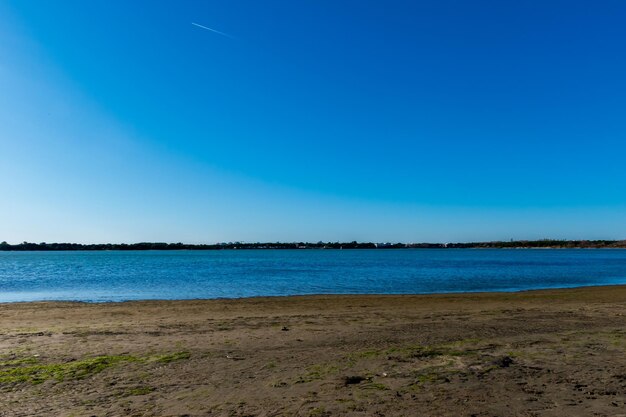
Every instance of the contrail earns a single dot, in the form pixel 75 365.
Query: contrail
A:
pixel 213 30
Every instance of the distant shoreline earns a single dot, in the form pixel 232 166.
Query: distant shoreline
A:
pixel 518 244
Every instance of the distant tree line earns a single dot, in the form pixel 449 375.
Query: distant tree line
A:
pixel 545 243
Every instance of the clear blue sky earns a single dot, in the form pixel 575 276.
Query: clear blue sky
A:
pixel 315 120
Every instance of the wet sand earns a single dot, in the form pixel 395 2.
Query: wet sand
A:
pixel 537 353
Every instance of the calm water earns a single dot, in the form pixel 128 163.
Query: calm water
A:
pixel 117 275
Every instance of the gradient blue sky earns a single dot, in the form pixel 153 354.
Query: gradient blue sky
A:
pixel 318 120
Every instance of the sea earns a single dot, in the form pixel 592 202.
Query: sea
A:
pixel 106 276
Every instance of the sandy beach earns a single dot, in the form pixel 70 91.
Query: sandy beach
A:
pixel 537 353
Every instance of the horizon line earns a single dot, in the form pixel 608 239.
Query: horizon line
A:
pixel 4 244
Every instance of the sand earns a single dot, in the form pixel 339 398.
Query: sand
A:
pixel 538 353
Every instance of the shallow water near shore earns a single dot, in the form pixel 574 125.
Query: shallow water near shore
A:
pixel 136 275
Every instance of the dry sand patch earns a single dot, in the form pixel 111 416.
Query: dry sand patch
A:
pixel 538 353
